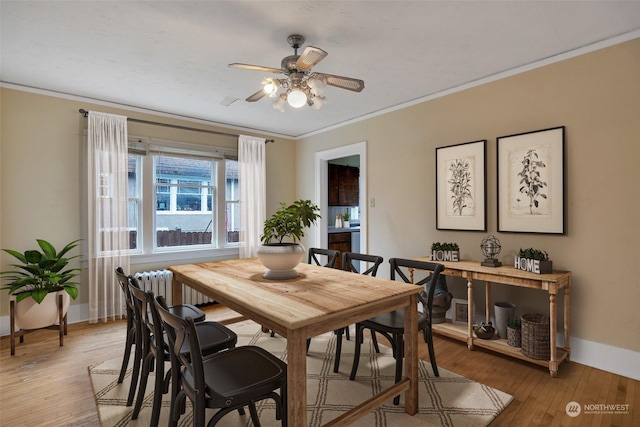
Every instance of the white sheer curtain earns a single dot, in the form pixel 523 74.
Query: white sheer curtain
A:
pixel 108 234
pixel 252 180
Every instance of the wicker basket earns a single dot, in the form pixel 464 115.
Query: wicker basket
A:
pixel 535 336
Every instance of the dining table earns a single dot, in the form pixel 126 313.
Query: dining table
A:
pixel 319 300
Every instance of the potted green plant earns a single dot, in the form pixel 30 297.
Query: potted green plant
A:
pixel 280 251
pixel 445 252
pixel 36 281
pixel 345 219
pixel 514 333
pixel 533 260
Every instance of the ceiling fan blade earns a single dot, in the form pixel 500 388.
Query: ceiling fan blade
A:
pixel 255 68
pixel 355 85
pixel 256 96
pixel 310 57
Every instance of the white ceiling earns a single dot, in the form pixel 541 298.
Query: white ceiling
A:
pixel 172 56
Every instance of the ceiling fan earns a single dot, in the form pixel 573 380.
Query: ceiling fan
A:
pixel 300 86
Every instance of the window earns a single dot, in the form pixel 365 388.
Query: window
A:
pixel 180 201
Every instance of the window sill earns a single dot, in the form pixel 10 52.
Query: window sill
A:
pixel 185 256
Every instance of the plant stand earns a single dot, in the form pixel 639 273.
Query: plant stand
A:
pixel 61 326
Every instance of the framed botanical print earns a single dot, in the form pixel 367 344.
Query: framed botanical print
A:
pixel 531 182
pixel 461 202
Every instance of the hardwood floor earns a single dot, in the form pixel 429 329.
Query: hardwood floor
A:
pixel 48 385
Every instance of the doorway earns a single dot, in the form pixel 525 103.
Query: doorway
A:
pixel 322 159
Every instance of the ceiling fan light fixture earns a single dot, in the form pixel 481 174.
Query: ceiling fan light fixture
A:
pixel 296 98
pixel 270 87
pixel 317 85
pixel 318 102
pixel 279 103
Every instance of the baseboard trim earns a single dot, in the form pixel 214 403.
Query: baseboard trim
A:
pixel 617 360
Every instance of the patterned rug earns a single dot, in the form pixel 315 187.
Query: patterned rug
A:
pixel 448 400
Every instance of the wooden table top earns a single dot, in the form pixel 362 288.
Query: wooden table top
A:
pixel 319 295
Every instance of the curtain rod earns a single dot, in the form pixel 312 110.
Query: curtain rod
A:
pixel 85 113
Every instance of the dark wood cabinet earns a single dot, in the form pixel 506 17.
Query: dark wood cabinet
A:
pixel 340 242
pixel 344 186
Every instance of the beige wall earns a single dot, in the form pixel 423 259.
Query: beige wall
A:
pixel 597 97
pixel 41 169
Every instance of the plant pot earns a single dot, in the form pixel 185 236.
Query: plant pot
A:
pixel 503 311
pixel 280 259
pixel 453 256
pixel 514 337
pixel 31 315
pixel 533 265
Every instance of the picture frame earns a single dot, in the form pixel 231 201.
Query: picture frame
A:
pixel 459 311
pixel 531 182
pixel 461 186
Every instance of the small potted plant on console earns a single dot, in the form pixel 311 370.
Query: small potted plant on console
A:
pixel 533 260
pixel 445 252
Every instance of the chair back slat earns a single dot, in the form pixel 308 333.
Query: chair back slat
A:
pixel 434 270
pixel 349 257
pixel 331 254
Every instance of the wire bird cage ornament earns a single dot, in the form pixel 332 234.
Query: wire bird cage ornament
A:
pixel 491 248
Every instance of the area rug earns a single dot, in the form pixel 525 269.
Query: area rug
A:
pixel 447 400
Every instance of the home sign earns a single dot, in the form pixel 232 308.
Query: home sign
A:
pixel 445 256
pixel 533 265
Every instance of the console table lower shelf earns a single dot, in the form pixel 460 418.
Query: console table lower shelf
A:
pixel 459 332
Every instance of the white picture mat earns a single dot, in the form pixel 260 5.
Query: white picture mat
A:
pixel 514 210
pixel 472 216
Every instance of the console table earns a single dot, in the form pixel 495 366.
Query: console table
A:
pixel 508 275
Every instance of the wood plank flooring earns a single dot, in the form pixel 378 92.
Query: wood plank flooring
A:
pixel 48 385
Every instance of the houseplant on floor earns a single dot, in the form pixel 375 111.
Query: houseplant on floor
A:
pixel 280 251
pixel 38 279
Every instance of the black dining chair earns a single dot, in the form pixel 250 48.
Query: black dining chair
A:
pixel 213 337
pixel 131 324
pixel 317 257
pixel 391 324
pixel 227 381
pixel 134 338
pixel 351 262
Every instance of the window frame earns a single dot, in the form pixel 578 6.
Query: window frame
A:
pixel 147 250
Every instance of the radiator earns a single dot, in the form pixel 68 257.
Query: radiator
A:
pixel 159 282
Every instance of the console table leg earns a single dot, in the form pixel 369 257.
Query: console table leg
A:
pixel 487 301
pixel 470 313
pixel 553 361
pixel 567 320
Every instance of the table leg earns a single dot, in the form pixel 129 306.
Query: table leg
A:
pixel 411 354
pixel 296 378
pixel 470 313
pixel 567 319
pixel 176 291
pixel 487 302
pixel 553 361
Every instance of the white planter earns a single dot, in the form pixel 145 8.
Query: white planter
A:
pixel 31 315
pixel 281 259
